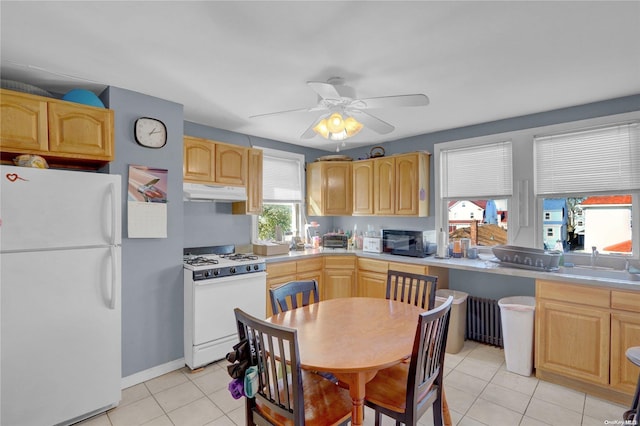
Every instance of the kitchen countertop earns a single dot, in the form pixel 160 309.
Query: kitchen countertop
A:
pixel 571 275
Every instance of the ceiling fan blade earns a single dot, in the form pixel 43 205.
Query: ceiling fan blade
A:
pixel 281 112
pixel 393 101
pixel 324 90
pixel 371 122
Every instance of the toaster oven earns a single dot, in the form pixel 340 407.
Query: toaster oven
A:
pixel 340 241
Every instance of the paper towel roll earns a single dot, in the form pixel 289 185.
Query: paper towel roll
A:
pixel 443 247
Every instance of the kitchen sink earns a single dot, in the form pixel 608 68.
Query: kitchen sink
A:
pixel 599 272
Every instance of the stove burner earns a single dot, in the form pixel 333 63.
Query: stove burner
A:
pixel 240 257
pixel 200 260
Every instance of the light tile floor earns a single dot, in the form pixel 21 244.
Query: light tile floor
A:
pixel 479 390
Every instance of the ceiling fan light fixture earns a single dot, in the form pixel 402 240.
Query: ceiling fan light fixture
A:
pixel 335 123
pixel 337 128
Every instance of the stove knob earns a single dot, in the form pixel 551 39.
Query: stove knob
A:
pixel 216 272
pixel 232 270
pixel 206 273
pixel 256 267
pixel 248 268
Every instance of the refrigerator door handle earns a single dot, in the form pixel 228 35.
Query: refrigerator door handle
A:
pixel 114 212
pixel 114 277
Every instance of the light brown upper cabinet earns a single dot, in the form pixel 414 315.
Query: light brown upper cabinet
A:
pixel 199 160
pixel 392 186
pixel 207 161
pixel 62 132
pixel 329 188
pixel 253 205
pixel 362 188
pixel 412 184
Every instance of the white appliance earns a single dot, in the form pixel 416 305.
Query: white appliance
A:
pixel 200 192
pixel 60 234
pixel 372 244
pixel 215 284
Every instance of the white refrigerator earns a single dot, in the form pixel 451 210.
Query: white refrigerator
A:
pixel 60 235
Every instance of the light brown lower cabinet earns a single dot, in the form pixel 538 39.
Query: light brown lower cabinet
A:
pixel 301 270
pixel 339 277
pixel 581 335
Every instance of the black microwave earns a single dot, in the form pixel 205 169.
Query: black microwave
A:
pixel 403 243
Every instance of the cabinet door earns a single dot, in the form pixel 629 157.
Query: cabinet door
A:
pixel 23 123
pixel 372 284
pixel 199 160
pixel 231 165
pixel 363 188
pixel 278 274
pixel 253 205
pixel 625 333
pixel 82 130
pixel 337 283
pixel 336 191
pixel 406 202
pixel 314 190
pixel 384 178
pixel 573 340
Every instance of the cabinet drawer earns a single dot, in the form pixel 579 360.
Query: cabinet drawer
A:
pixel 625 300
pixel 373 265
pixel 407 267
pixel 340 262
pixel 580 294
pixel 281 269
pixel 314 264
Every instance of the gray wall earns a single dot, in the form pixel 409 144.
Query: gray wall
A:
pixel 151 267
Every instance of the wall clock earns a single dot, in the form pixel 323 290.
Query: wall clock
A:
pixel 150 132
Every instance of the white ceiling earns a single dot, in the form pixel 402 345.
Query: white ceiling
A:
pixel 226 61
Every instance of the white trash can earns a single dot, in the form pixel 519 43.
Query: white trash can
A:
pixel 517 314
pixel 457 319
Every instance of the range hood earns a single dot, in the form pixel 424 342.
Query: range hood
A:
pixel 201 192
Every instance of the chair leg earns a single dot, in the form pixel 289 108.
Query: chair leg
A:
pixel 437 410
pixel 377 418
pixel 446 416
pixel 632 414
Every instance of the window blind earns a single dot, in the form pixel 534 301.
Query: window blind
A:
pixel 482 171
pixel 602 159
pixel 281 176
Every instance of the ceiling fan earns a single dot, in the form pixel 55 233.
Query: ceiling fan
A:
pixel 336 97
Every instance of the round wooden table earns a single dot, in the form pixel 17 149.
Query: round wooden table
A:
pixel 353 338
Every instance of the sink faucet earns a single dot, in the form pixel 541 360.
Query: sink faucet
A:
pixel 594 255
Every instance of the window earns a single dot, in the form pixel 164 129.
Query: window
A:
pixel 475 185
pixel 588 181
pixel 282 183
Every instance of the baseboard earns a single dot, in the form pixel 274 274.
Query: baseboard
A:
pixel 151 373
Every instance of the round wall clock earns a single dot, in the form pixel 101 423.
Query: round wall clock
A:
pixel 150 132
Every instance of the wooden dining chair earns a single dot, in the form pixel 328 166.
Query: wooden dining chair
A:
pixel 405 391
pixel 284 393
pixel 287 296
pixel 416 289
pixel 290 295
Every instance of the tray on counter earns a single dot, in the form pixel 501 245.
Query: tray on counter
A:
pixel 527 267
pixel 528 258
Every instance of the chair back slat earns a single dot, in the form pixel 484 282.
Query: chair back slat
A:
pixel 415 289
pixel 277 360
pixel 426 368
pixel 293 294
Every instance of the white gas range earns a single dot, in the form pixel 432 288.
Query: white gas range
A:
pixel 217 280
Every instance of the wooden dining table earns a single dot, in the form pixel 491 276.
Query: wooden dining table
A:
pixel 353 338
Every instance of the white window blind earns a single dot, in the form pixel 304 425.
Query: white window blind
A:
pixel 477 171
pixel 281 176
pixel 602 159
